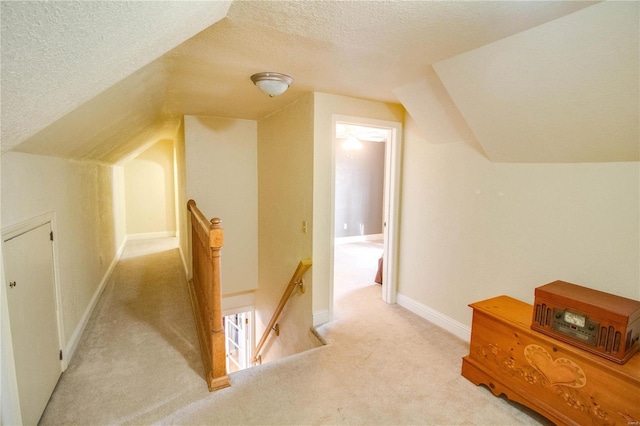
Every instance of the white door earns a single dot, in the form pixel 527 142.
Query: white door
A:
pixel 28 263
pixel 237 345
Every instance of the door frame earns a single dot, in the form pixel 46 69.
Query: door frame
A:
pixel 8 233
pixel 391 208
pixel 251 336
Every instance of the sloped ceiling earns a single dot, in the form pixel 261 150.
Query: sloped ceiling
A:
pixel 434 112
pixel 81 83
pixel 566 91
pixel 129 112
pixel 56 56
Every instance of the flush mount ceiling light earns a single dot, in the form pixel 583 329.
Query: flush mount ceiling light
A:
pixel 272 83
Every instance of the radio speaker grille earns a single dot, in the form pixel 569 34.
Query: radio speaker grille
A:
pixel 543 315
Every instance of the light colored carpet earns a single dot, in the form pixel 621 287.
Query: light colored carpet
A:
pixel 138 362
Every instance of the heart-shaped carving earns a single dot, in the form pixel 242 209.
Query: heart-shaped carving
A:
pixel 561 372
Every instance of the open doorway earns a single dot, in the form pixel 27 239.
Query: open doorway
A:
pixel 364 205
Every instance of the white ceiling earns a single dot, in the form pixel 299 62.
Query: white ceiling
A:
pixel 98 80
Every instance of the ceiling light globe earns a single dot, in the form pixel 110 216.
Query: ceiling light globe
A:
pixel 272 83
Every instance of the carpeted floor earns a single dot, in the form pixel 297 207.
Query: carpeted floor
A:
pixel 138 361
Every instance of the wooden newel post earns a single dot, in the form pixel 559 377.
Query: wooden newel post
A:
pixel 204 289
pixel 218 355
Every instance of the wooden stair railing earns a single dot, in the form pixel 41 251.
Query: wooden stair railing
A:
pixel 296 281
pixel 207 239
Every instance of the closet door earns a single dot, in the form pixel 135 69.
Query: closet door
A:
pixel 28 263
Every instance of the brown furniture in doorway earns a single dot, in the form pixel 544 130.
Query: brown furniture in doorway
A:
pixel 378 278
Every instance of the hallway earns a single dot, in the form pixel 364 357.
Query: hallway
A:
pixel 138 363
pixel 139 352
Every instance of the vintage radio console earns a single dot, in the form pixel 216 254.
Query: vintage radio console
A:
pixel 598 322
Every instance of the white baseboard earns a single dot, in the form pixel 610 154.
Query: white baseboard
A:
pixel 72 343
pixel 449 324
pixel 149 235
pixel 321 317
pixel 358 238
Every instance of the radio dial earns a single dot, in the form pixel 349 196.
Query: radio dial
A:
pixel 575 319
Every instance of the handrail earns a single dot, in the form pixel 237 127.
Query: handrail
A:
pixel 296 280
pixel 204 289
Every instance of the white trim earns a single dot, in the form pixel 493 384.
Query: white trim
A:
pixel 321 317
pixel 252 329
pixel 358 238
pixel 72 344
pixel 449 324
pixel 12 231
pixel 150 235
pixel 56 277
pixel 392 175
pixel 10 401
pixel 238 303
pixel 238 310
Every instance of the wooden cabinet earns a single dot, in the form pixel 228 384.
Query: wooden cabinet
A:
pixel 562 382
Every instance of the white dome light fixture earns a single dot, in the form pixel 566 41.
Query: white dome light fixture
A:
pixel 272 83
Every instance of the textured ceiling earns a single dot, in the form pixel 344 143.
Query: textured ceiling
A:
pixel 129 112
pixel 96 80
pixel 362 49
pixel 58 55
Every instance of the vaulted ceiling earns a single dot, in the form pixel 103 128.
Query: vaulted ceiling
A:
pixel 527 81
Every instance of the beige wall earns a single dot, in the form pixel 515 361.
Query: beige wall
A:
pixel 79 194
pixel 285 185
pixel 325 107
pixel 472 229
pixel 182 224
pixel 119 205
pixel 150 191
pixel 221 176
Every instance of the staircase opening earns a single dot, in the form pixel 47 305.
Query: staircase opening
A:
pixel 238 329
